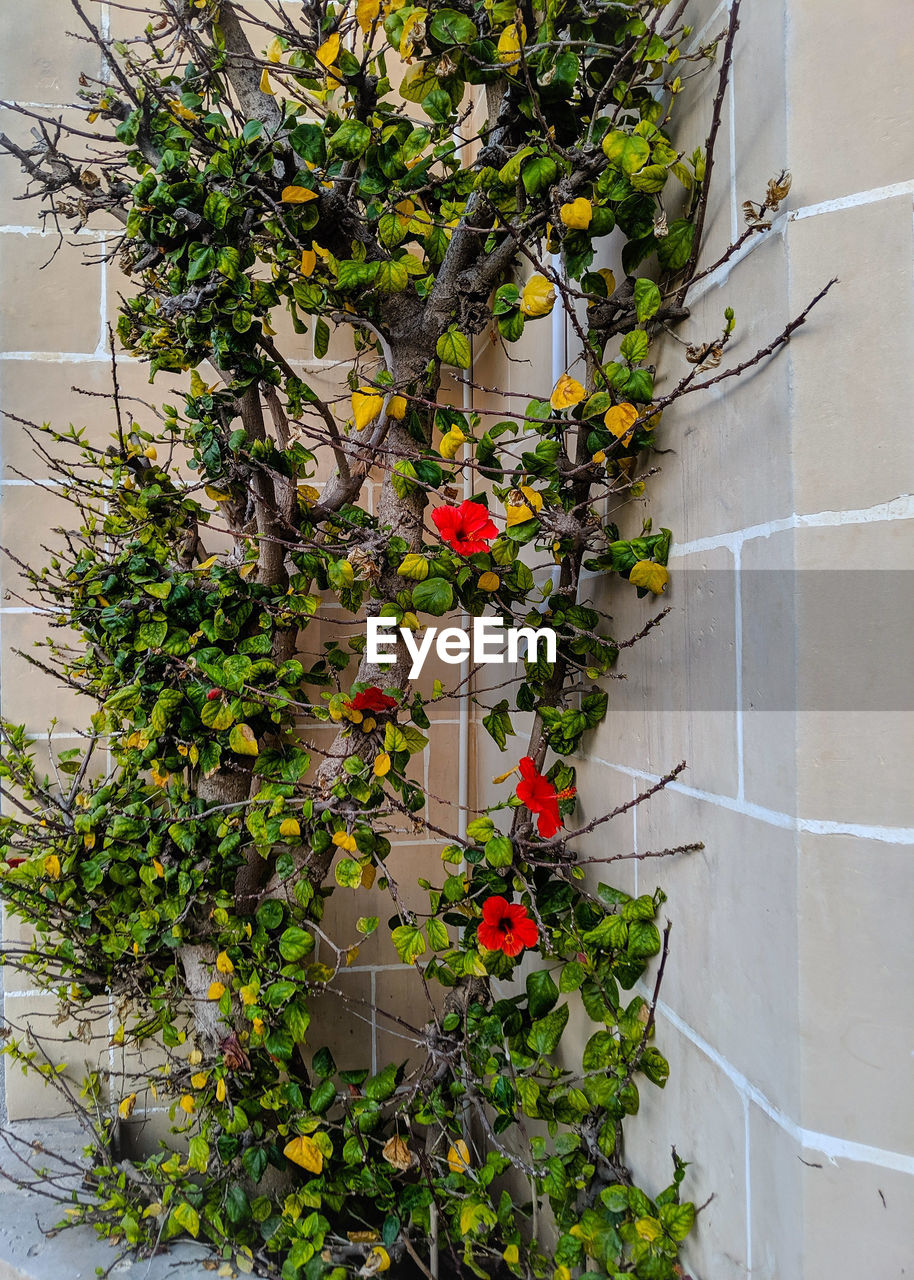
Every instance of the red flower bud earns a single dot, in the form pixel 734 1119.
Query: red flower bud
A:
pixel 213 694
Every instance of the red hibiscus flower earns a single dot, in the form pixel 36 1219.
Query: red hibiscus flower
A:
pixel 506 927
pixel 540 796
pixel 467 529
pixel 371 699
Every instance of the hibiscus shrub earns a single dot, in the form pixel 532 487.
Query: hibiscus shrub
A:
pixel 180 862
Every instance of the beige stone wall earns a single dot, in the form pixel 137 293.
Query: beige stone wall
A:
pixel 787 1008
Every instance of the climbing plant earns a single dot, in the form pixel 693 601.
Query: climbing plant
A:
pixel 417 179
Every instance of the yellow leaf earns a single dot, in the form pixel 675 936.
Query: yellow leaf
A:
pixel 517 513
pixel 397 1153
pixel 489 581
pixel 206 564
pixel 248 994
pixel 153 1210
pixel 343 840
pixel 538 297
pixel 366 406
pixel 151 453
pixel 199 1080
pixel 362 1237
pixel 451 443
pixel 223 963
pixel 648 1229
pixel 458 1158
pixel 258 1026
pixel 510 42
pixel 118 1037
pixel 157 867
pixel 265 86
pixel 599 457
pixel 220 1090
pixel 366 11
pixel 216 991
pixel 620 419
pixel 125 1108
pixel 511 1255
pixel 52 866
pixel 382 765
pixel 195 1057
pixel 302 1151
pixel 503 777
pixel 89 840
pixel 650 575
pixel 368 724
pixel 297 195
pixel 378 1260
pixel 397 407
pixel 188 1104
pixel 183 113
pixel 289 827
pixel 329 51
pixel 274 52
pixel 533 498
pixel 577 214
pixel 415 19
pixel 308 261
pixel 566 393
pixel 217 495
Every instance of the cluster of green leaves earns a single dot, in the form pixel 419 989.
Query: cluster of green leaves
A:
pixel 344 200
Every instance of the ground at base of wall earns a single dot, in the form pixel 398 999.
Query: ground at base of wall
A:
pixel 27 1252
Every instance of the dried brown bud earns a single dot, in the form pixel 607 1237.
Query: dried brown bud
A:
pixel 233 1055
pixel 778 189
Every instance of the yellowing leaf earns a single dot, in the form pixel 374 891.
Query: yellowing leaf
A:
pixel 503 777
pixel 308 261
pixel 577 214
pixel 566 393
pixel 89 840
pixel 451 443
pixel 344 840
pixel 297 195
pixel 458 1157
pixel 265 86
pixel 517 513
pixel 382 764
pixel 289 827
pixel 151 453
pixel 610 280
pixel 183 113
pixel 366 11
pixel 413 29
pixel 220 1090
pixel 188 1104
pixel 489 581
pixel 328 53
pixel 302 1151
pixel 510 42
pixel 538 297
pixel 157 867
pixel 397 1153
pixel 511 1255
pixel 533 498
pixel 125 1107
pixel 223 963
pixel 369 871
pixel 274 52
pixel 243 740
pixel 52 866
pixel 652 576
pixel 199 1080
pixel 216 991
pixel 366 406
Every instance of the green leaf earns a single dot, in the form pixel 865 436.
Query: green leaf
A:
pixel 295 944
pixel 542 993
pixel 538 174
pixel 453 348
pixel 409 942
pixel 675 248
pixel 437 935
pixel 448 27
pixel 392 277
pixel 352 274
pixel 402 478
pixel 434 595
pixel 544 1035
pixel 323 1063
pixel 498 723
pixel 647 299
pixel 634 346
pixel 350 140
pixel 348 873
pixel 381 1086
pixel 499 851
pixel 651 179
pixel 321 338
pixel 677 1220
